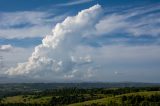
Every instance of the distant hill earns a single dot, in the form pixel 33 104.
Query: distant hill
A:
pixel 43 86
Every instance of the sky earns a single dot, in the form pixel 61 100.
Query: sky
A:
pixel 80 40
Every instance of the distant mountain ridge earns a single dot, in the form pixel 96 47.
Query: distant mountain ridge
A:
pixel 43 86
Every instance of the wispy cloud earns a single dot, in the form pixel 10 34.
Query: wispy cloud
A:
pixel 74 2
pixel 27 24
pixel 136 22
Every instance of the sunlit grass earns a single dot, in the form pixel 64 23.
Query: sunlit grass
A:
pixel 116 99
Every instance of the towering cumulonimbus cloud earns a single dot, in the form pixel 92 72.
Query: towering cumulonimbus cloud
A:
pixel 57 55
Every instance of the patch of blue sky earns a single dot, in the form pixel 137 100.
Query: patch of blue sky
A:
pixel 17 26
pixel 122 39
pixel 22 5
pixel 116 5
pixel 25 5
pixel 27 42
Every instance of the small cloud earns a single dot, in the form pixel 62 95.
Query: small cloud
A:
pixel 76 2
pixel 118 73
pixel 5 48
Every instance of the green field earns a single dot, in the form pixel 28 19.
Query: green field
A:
pixel 116 99
pixel 127 96
pixel 27 99
pixel 98 102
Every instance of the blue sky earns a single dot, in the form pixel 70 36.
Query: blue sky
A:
pixel 121 42
pixel 55 10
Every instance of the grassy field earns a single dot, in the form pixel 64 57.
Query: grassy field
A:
pixel 85 97
pixel 27 99
pixel 46 99
pixel 116 99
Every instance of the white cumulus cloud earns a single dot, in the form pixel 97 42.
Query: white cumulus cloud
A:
pixel 68 52
pixel 55 58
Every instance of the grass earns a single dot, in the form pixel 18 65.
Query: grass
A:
pixel 116 99
pixel 45 99
pixel 27 99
